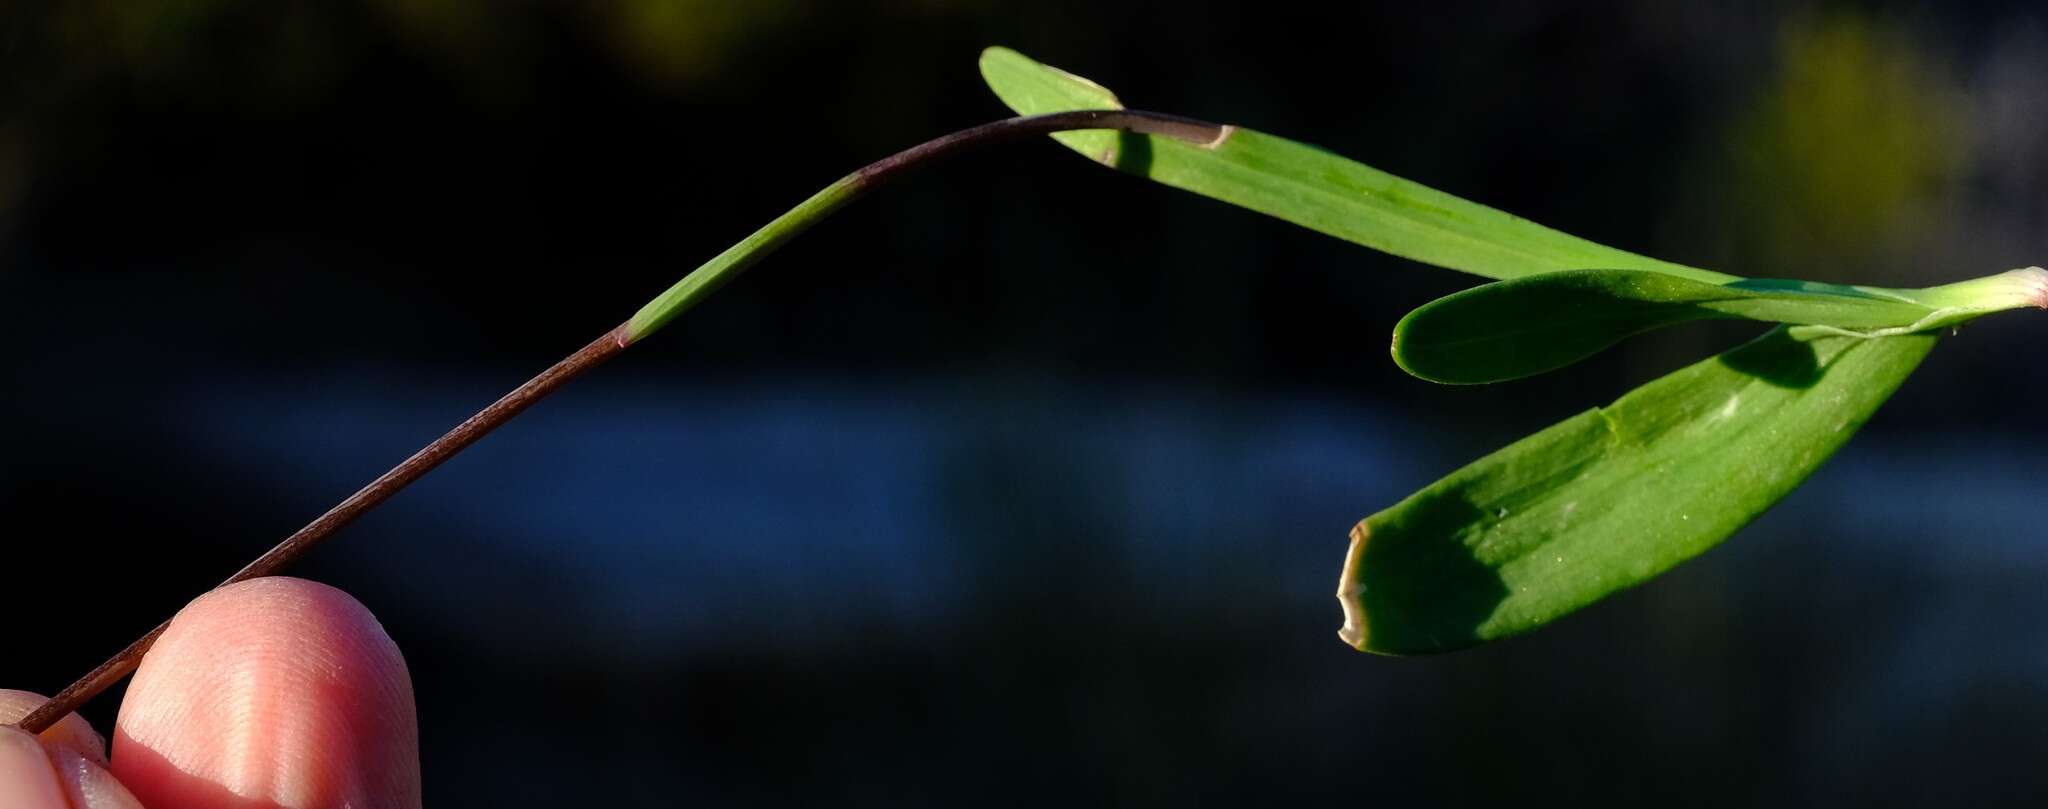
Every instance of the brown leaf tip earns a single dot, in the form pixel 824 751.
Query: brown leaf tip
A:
pixel 1223 134
pixel 1349 589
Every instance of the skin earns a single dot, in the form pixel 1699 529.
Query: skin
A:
pixel 273 692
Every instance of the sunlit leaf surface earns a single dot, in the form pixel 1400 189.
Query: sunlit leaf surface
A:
pixel 1317 189
pixel 1607 498
pixel 1612 496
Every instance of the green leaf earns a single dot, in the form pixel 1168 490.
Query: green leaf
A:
pixel 1614 495
pixel 1317 189
pixel 1517 328
pixel 1028 85
pixel 1608 498
pixel 1538 323
pixel 1963 300
pixel 709 276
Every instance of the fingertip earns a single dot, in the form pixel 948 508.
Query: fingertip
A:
pixel 27 779
pixel 75 756
pixel 72 731
pixel 275 689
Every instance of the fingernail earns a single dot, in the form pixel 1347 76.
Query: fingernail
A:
pixel 27 779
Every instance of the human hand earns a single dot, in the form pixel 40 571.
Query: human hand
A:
pixel 274 692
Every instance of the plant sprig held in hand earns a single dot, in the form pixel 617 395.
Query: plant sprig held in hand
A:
pixel 1598 502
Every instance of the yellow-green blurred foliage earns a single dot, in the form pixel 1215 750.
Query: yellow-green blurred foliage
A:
pixel 684 41
pixel 666 42
pixel 669 43
pixel 265 57
pixel 1840 159
pixel 144 36
pixel 159 43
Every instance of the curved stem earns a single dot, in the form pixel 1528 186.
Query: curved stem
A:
pixel 657 313
pixel 707 278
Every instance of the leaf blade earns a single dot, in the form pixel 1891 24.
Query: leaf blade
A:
pixel 1320 190
pixel 1613 496
pixel 1526 326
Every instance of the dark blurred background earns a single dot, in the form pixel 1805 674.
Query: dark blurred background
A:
pixel 1022 481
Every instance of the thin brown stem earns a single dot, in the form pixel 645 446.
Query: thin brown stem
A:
pixel 358 504
pixel 613 342
pixel 1139 121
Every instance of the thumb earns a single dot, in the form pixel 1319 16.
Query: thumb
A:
pixel 64 768
pixel 271 692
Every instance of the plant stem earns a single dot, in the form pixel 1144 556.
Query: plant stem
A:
pixel 706 279
pixel 2011 289
pixel 343 513
pixel 657 313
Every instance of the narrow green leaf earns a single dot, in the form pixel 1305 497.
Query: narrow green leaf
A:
pixel 1614 495
pixel 1525 326
pixel 707 278
pixel 1529 325
pixel 1317 189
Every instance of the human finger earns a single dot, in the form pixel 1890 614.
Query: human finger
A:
pixel 71 731
pixel 274 691
pixel 40 774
